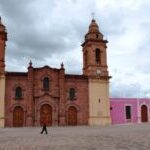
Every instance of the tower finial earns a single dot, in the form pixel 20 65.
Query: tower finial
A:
pixel 93 15
pixel 30 63
pixel 62 65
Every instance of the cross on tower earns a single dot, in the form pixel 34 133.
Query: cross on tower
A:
pixel 93 15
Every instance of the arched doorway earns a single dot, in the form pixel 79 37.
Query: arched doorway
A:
pixel 72 116
pixel 18 117
pixel 144 113
pixel 46 114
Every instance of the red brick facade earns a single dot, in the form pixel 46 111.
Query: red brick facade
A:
pixel 34 96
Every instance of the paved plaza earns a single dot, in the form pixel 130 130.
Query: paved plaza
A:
pixel 115 137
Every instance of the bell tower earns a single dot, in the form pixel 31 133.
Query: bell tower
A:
pixel 95 68
pixel 94 52
pixel 3 39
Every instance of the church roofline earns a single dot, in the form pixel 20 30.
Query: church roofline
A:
pixel 16 73
pixel 46 67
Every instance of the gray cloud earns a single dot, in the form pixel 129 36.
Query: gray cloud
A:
pixel 49 32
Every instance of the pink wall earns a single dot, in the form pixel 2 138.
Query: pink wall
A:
pixel 118 114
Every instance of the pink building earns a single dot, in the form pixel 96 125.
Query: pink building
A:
pixel 129 110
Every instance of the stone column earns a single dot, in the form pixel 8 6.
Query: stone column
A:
pixel 61 105
pixel 30 101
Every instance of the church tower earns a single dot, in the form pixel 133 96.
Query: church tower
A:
pixel 95 67
pixel 3 39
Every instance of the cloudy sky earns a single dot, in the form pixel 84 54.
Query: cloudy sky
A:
pixel 49 32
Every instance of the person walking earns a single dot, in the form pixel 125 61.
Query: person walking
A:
pixel 44 128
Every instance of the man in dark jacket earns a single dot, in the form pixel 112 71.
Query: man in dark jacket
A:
pixel 44 128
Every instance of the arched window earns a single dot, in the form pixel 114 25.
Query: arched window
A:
pixel 97 55
pixel 46 83
pixel 97 36
pixel 72 93
pixel 18 92
pixel 86 55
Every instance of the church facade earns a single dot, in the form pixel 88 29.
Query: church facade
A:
pixel 50 95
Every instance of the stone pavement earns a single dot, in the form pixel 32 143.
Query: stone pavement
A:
pixel 115 137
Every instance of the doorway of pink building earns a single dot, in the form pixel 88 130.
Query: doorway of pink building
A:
pixel 144 113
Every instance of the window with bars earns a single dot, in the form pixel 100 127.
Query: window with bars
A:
pixel 128 112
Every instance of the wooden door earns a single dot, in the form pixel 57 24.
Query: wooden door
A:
pixel 18 117
pixel 72 116
pixel 46 115
pixel 144 114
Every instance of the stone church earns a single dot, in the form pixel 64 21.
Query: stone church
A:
pixel 49 94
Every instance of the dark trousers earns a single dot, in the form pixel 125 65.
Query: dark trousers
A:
pixel 44 129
